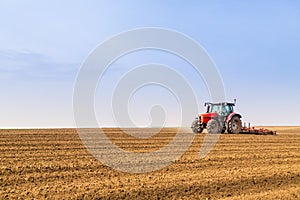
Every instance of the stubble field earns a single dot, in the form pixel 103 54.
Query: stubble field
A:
pixel 53 163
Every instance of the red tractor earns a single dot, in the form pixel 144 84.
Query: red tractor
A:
pixel 218 118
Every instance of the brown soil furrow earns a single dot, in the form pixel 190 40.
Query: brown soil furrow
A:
pixel 53 163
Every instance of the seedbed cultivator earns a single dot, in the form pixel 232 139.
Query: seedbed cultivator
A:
pixel 256 131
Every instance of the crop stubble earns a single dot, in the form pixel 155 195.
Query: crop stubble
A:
pixel 53 163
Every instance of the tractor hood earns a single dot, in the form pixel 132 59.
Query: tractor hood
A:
pixel 210 115
pixel 207 116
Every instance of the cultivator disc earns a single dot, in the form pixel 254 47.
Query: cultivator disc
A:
pixel 257 131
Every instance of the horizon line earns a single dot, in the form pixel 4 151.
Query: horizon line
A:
pixel 73 127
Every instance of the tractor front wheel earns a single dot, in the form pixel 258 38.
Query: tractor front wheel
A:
pixel 213 126
pixel 235 125
pixel 196 127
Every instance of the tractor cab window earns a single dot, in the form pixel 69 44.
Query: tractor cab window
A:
pixel 222 109
pixel 215 108
pixel 228 109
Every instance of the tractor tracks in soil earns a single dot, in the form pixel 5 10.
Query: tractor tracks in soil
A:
pixel 53 163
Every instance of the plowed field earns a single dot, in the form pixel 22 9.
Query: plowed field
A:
pixel 53 163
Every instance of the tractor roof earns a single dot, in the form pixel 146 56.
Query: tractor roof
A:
pixel 220 103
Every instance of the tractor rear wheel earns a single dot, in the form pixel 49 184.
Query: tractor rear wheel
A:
pixel 196 127
pixel 213 126
pixel 235 125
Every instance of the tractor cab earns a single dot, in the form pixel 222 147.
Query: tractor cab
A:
pixel 220 108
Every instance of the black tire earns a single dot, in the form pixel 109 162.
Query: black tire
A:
pixel 213 126
pixel 235 125
pixel 196 127
pixel 224 129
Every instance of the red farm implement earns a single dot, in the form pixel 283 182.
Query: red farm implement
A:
pixel 256 131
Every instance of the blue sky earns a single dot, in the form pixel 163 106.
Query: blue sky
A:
pixel 254 44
